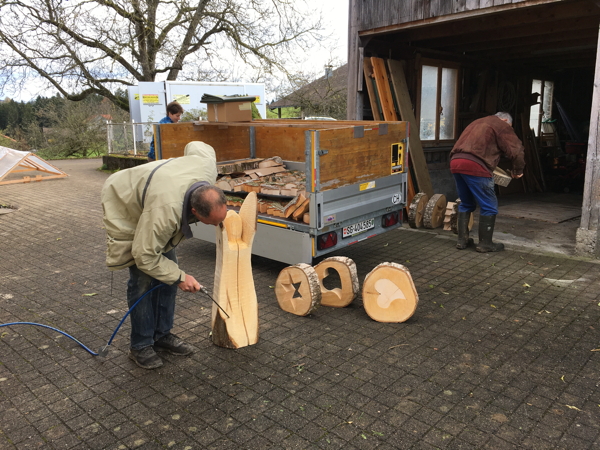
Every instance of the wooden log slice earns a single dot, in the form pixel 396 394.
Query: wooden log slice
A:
pixel 454 218
pixel 389 294
pixel 342 296
pixel 416 208
pixel 298 290
pixel 433 216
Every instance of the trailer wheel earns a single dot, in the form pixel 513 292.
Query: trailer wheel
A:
pixel 416 208
pixel 435 210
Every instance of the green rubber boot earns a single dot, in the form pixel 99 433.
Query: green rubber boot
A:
pixel 486 230
pixel 462 223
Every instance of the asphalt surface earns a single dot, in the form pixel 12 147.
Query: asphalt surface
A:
pixel 500 354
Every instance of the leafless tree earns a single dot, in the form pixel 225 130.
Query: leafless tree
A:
pixel 83 47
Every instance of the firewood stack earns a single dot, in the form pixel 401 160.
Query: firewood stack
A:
pixel 270 179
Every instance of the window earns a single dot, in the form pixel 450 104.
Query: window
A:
pixel 437 101
pixel 541 112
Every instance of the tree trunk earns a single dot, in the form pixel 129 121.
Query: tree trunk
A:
pixel 297 289
pixel 416 209
pixel 433 216
pixel 342 296
pixel 389 294
pixel 234 286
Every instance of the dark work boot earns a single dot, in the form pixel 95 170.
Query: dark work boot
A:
pixel 462 223
pixel 486 230
pixel 173 345
pixel 146 358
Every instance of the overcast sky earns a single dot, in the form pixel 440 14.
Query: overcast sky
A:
pixel 335 22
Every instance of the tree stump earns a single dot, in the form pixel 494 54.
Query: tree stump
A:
pixel 342 296
pixel 297 289
pixel 234 286
pixel 416 209
pixel 389 294
pixel 433 216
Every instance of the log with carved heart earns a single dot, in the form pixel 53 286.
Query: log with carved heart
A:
pixel 234 285
pixel 389 294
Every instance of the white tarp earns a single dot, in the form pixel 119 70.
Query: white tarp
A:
pixel 13 161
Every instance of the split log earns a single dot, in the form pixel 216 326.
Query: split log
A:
pixel 342 296
pixel 389 294
pixel 433 216
pixel 223 184
pixel 293 205
pixel 234 286
pixel 270 162
pixel 297 289
pixel 301 209
pixel 416 209
pixel 306 218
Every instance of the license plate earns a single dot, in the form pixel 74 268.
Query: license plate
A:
pixel 357 228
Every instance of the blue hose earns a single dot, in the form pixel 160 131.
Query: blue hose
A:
pixel 104 350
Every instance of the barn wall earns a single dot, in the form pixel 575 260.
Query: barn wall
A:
pixel 384 13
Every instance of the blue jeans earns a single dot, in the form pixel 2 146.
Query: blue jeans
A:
pixel 152 318
pixel 475 191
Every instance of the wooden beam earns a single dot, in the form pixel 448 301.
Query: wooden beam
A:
pixel 417 156
pixel 591 190
pixel 369 81
pixel 383 89
pixel 464 38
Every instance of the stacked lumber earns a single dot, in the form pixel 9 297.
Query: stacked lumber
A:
pixel 533 178
pixel 270 179
pixel 448 216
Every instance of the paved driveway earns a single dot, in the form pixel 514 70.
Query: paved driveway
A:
pixel 500 353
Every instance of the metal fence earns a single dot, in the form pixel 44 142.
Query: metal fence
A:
pixel 129 138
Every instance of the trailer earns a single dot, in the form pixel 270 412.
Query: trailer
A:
pixel 355 178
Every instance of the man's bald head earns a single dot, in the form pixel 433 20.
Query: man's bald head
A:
pixel 209 204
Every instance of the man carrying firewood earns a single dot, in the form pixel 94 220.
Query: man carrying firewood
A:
pixel 473 159
pixel 147 212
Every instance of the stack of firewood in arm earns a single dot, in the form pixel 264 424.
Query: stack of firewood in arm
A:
pixel 281 192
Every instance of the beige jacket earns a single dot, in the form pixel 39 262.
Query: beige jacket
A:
pixel 143 208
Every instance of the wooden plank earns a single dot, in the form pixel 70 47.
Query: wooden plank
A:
pixel 229 142
pixel 472 4
pixel 459 6
pixel 352 160
pixel 368 68
pixel 405 107
pixel 286 142
pixel 383 89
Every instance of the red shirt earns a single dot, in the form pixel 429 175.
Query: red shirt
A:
pixel 468 167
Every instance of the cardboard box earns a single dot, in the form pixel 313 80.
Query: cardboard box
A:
pixel 229 112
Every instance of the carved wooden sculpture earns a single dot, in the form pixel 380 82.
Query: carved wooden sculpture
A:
pixel 297 289
pixel 342 296
pixel 389 294
pixel 234 286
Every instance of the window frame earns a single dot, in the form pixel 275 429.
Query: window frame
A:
pixel 440 64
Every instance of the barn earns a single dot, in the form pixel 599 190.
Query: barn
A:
pixel 465 59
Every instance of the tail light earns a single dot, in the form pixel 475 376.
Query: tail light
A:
pixel 389 219
pixel 327 240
